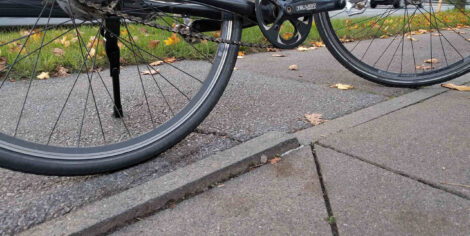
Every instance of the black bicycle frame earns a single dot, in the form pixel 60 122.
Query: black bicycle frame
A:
pixel 213 9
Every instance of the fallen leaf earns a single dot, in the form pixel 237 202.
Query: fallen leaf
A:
pixel 319 44
pixel 3 62
pixel 384 36
pixel 241 55
pixel 61 71
pixel 92 52
pixel 153 43
pixel 273 50
pixel 287 35
pixel 150 72
pixel 135 38
pixel 58 52
pixel 432 60
pixel 303 49
pixel 169 60
pixel 411 38
pixel 157 63
pixel 315 119
pixel 174 39
pixel 293 67
pixel 120 45
pixel 43 75
pixel 278 55
pixel 456 87
pixel 275 160
pixel 342 86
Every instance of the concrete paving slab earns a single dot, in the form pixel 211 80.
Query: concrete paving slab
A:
pixel 368 200
pixel 255 103
pixel 101 216
pixel 428 141
pixel 275 199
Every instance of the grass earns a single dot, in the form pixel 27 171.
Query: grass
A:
pixel 351 29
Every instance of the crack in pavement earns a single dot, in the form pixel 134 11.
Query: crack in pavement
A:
pixel 217 133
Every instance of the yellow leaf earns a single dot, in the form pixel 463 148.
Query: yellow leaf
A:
pixel 384 36
pixel 156 63
pixel 432 60
pixel 66 43
pixel 120 45
pixel 275 160
pixel 411 38
pixel 58 52
pixel 315 119
pixel 174 39
pixel 456 87
pixel 293 67
pixel 3 62
pixel 92 52
pixel 241 55
pixel 150 72
pixel 319 44
pixel 169 60
pixel 342 86
pixel 287 35
pixel 43 75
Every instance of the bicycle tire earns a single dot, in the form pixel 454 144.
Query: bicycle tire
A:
pixel 38 158
pixel 377 75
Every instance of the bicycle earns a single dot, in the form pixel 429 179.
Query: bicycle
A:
pixel 146 107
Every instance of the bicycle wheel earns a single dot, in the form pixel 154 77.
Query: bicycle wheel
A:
pixel 67 125
pixel 406 47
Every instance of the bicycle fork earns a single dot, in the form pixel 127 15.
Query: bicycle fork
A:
pixel 111 33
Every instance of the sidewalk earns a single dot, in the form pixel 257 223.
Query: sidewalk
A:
pixel 383 177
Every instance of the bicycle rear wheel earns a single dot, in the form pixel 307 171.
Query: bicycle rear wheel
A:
pixel 66 126
pixel 407 47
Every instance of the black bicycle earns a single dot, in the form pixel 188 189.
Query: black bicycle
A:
pixel 100 116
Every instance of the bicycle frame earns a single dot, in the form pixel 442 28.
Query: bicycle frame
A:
pixel 213 8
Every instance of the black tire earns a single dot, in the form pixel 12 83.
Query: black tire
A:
pixel 371 72
pixel 396 4
pixel 373 5
pixel 26 156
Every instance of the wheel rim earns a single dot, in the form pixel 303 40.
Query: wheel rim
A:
pixel 402 46
pixel 150 113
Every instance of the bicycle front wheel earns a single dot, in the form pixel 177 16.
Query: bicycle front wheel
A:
pixel 411 46
pixel 58 100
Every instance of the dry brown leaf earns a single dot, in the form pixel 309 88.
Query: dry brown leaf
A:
pixel 315 119
pixel 411 38
pixel 43 75
pixel 384 36
pixel 342 86
pixel 61 71
pixel 241 55
pixel 58 52
pixel 319 44
pixel 273 50
pixel 3 62
pixel 278 55
pixel 120 45
pixel 287 35
pixel 456 87
pixel 432 60
pixel 169 60
pixel 150 72
pixel 157 63
pixel 153 43
pixel 275 160
pixel 293 67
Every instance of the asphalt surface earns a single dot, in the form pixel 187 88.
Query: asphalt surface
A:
pixel 262 96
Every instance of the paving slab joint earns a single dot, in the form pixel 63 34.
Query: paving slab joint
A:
pixel 218 134
pixel 398 172
pixel 331 217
